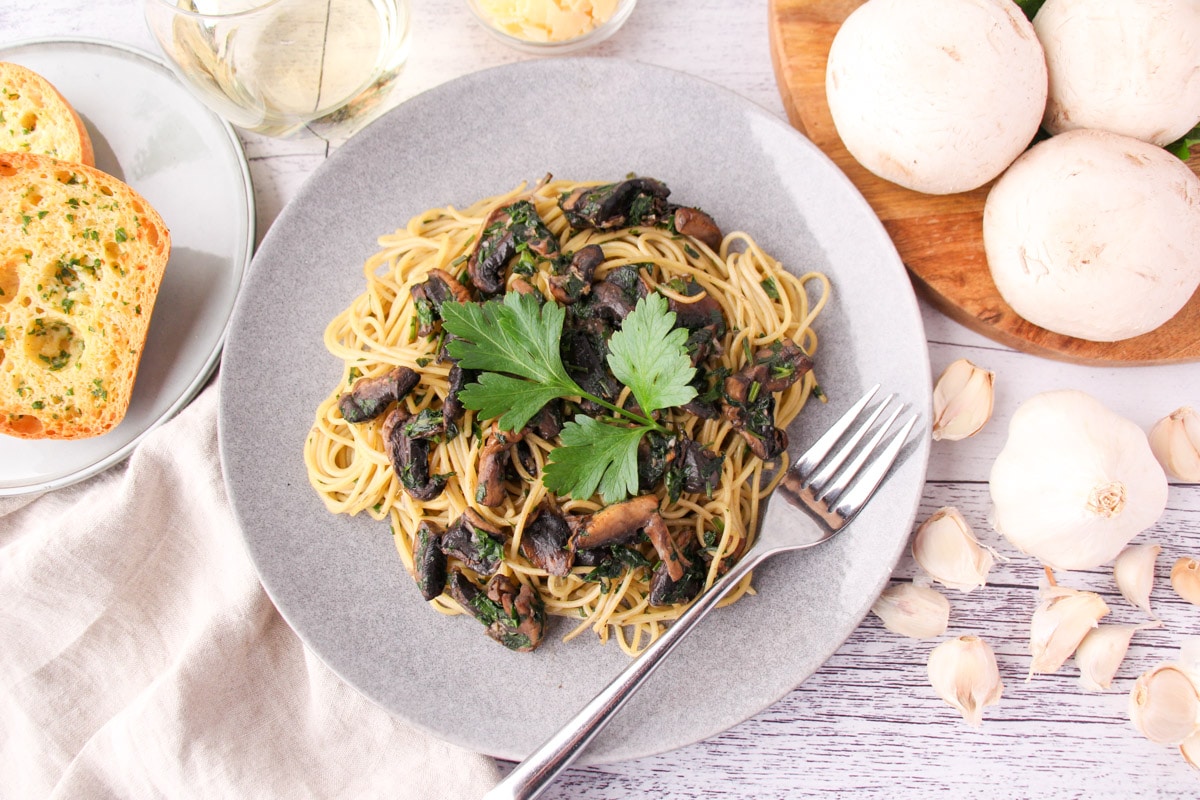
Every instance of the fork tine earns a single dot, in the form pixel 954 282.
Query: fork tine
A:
pixel 826 472
pixel 813 456
pixel 834 490
pixel 856 497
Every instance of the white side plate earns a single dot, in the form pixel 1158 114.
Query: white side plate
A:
pixel 151 133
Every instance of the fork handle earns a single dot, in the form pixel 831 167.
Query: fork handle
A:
pixel 535 773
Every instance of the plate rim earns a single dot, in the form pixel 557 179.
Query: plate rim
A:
pixel 214 357
pixel 920 450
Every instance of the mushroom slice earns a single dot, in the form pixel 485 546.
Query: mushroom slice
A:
pixel 779 365
pixel 576 279
pixel 548 422
pixel 699 225
pixel 748 399
pixel 665 588
pixel 517 612
pixel 613 524
pixel 702 313
pixel 514 614
pixel 475 542
pixel 370 397
pixel 429 561
pixel 752 412
pixel 694 469
pixel 670 552
pixel 493 463
pixel 452 407
pixel 425 424
pixel 656 452
pixel 637 201
pixel 507 231
pixel 464 592
pixel 613 298
pixel 410 457
pixel 544 541
pixel 429 296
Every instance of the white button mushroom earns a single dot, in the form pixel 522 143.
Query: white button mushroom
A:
pixel 1095 235
pixel 938 96
pixel 1129 68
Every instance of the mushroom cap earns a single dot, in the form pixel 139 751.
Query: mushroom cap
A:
pixel 1095 235
pixel 1130 68
pixel 938 96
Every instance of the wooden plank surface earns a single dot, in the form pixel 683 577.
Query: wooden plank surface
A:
pixel 867 724
pixel 940 238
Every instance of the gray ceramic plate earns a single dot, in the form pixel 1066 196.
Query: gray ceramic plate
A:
pixel 151 133
pixel 338 580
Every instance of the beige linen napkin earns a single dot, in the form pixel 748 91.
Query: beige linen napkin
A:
pixel 140 657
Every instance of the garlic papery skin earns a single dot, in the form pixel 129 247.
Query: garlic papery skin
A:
pixel 1164 705
pixel 1075 482
pixel 919 612
pixel 1101 652
pixel 1175 440
pixel 962 400
pixel 1133 571
pixel 963 672
pixel 1185 579
pixel 1059 624
pixel 946 548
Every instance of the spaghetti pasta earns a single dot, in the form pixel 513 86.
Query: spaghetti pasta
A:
pixel 348 465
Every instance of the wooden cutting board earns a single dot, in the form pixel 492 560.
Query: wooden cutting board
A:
pixel 940 238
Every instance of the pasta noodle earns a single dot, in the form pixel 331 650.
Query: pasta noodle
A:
pixel 347 463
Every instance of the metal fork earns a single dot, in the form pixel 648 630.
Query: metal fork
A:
pixel 812 484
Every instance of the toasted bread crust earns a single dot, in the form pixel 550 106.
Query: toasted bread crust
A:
pixel 36 118
pixel 82 257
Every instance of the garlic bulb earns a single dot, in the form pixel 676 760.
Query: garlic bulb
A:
pixel 1185 579
pixel 1059 624
pixel 920 612
pixel 963 672
pixel 1134 573
pixel 1075 482
pixel 1164 705
pixel 962 401
pixel 1101 652
pixel 1175 440
pixel 947 549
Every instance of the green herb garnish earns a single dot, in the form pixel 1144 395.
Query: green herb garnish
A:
pixel 515 343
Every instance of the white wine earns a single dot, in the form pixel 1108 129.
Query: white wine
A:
pixel 273 67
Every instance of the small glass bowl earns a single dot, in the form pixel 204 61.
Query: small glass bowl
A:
pixel 592 37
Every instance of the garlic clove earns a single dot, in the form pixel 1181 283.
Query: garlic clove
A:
pixel 1101 652
pixel 1059 624
pixel 1185 579
pixel 946 548
pixel 1134 573
pixel 1164 705
pixel 920 612
pixel 962 400
pixel 1190 749
pixel 1175 441
pixel 963 672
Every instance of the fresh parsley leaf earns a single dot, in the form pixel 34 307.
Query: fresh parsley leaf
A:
pixel 519 338
pixel 649 356
pixel 595 456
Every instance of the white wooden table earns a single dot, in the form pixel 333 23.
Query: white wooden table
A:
pixel 866 725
